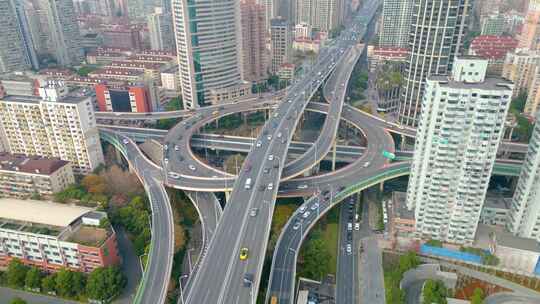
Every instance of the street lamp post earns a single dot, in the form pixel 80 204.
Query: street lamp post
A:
pixel 180 286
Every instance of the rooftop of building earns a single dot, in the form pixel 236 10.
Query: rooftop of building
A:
pixel 279 22
pixel 399 202
pixel 493 47
pixel 73 96
pixel 135 64
pixel 30 164
pixel 485 234
pixel 491 83
pixel 116 71
pixel 42 212
pixel 498 202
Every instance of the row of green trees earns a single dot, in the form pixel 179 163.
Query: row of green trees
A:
pixel 101 284
pixel 135 217
pixel 435 292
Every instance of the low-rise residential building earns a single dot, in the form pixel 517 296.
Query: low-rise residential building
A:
pixel 23 176
pixel 495 210
pixel 55 236
pixel 494 49
pixel 127 97
pixel 380 55
pixel 286 71
pixel 230 94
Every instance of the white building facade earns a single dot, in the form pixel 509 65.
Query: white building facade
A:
pixel 524 218
pixel 461 125
pixel 53 125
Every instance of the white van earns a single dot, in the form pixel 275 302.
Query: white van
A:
pixel 248 184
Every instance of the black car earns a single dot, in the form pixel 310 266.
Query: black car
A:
pixel 248 279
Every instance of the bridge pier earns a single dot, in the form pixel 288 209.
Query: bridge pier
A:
pixel 402 144
pixel 227 196
pixel 381 187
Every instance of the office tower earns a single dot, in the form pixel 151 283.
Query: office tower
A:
pixel 396 21
pixel 494 25
pixel 270 11
pixel 208 45
pixel 253 41
pixel 160 30
pixel 324 15
pixel 55 30
pixel 16 50
pixel 519 67
pixel 54 124
pixel 281 37
pixel 531 28
pixel 524 216
pixel 461 125
pixel 435 39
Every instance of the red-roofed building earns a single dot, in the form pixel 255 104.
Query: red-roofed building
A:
pixel 378 55
pixel 494 49
pixel 123 98
pixel 22 176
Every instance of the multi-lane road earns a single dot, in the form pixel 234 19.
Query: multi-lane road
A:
pixel 158 270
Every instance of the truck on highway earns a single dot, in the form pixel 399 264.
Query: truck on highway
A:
pixel 248 184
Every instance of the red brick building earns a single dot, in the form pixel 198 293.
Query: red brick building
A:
pixel 494 49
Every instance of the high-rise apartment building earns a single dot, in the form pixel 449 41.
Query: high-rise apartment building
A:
pixel 160 30
pixel 531 27
pixel 208 45
pixel 55 30
pixel 54 124
pixel 519 67
pixel 17 49
pixel 396 22
pixel 282 39
pixel 253 41
pixel 435 39
pixel 323 15
pixel 524 216
pixel 461 125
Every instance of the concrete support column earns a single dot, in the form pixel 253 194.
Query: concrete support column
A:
pixel 381 187
pixel 227 196
pixel 402 145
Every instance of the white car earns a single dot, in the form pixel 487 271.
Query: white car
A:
pixel 269 137
pixel 314 206
pixel 289 101
pixel 302 209
pixel 125 141
pixel 166 147
pixel 279 135
pixel 306 214
pixel 366 164
pixel 176 148
pixel 276 114
pixel 270 186
pixel 357 226
pixel 259 143
pixel 349 249
pixel 253 212
pixel 296 225
pixel 174 175
pixel 271 157
pixel 192 167
pixel 302 186
pixel 166 160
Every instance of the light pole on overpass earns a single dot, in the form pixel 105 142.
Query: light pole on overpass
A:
pixel 180 286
